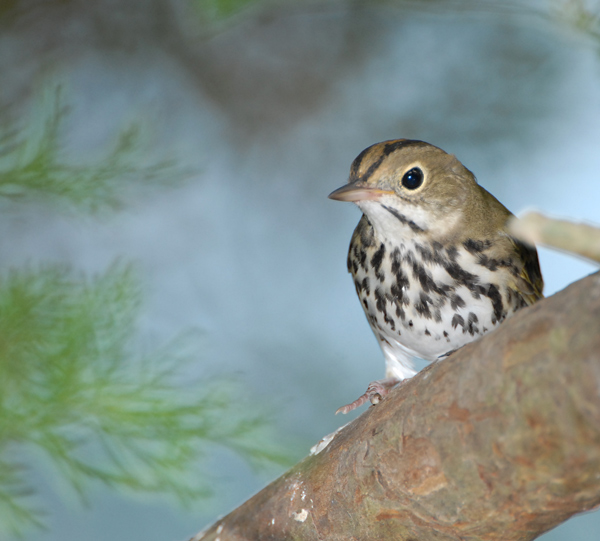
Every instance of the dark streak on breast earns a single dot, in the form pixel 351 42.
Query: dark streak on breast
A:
pixel 376 261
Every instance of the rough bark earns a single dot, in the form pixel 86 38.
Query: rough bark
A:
pixel 501 441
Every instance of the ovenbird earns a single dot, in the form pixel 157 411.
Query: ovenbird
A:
pixel 432 262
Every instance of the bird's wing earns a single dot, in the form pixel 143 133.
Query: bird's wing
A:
pixel 529 281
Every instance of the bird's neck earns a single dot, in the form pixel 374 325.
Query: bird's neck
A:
pixel 395 226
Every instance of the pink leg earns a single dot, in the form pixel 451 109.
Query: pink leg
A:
pixel 376 392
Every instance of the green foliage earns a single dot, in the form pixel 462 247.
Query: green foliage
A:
pixel 72 387
pixel 218 10
pixel 32 165
pixel 74 395
pixel 579 15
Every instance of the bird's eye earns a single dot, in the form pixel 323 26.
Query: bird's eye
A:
pixel 412 179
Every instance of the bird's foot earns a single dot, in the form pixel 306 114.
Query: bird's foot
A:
pixel 375 393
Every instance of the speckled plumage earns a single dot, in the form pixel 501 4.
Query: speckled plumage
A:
pixel 433 266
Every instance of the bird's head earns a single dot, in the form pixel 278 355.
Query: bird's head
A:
pixel 407 187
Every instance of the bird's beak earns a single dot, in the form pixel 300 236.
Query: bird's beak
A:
pixel 358 192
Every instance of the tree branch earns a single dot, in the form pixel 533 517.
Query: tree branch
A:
pixel 535 228
pixel 501 441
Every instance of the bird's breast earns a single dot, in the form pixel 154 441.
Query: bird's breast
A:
pixel 428 297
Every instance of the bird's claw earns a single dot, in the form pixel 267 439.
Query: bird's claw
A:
pixel 376 392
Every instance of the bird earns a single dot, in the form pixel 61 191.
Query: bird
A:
pixel 433 263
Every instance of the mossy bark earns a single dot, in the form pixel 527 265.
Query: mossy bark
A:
pixel 501 441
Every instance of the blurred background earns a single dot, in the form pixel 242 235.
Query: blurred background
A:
pixel 177 323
